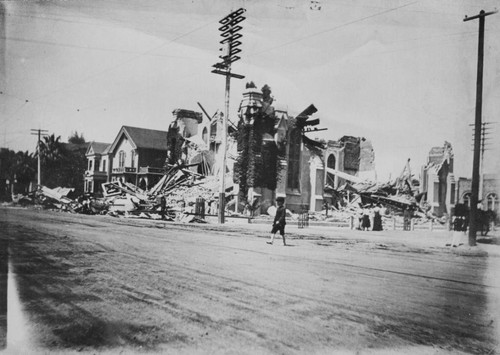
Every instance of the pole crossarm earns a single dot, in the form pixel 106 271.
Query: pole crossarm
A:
pixel 232 75
pixel 481 14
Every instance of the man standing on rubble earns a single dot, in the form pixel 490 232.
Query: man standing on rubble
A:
pixel 279 221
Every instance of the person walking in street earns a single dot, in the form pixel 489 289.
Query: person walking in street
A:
pixel 279 221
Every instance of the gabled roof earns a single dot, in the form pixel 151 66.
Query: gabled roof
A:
pixel 280 120
pixel 142 138
pixel 96 148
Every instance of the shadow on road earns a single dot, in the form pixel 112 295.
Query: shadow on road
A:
pixel 488 240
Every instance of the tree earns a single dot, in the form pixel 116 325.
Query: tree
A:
pixel 51 150
pixel 51 156
pixel 74 166
pixel 63 164
pixel 76 139
pixel 16 168
pixel 24 168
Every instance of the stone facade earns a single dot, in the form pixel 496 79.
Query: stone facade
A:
pixel 437 181
pixel 301 177
pixel 488 195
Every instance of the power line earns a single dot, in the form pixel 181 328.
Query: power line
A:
pixel 413 48
pixel 454 14
pixel 332 29
pixel 109 69
pixel 97 22
pixel 70 45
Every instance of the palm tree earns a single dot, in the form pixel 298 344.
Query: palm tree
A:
pixel 24 169
pixel 52 156
pixel 51 150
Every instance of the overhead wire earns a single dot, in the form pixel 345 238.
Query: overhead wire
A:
pixel 149 52
pixel 96 22
pixel 68 45
pixel 414 48
pixel 358 5
pixel 114 67
pixel 333 28
pixel 287 43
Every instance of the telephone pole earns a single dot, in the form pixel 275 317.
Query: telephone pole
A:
pixel 485 132
pixel 229 33
pixel 473 217
pixel 485 145
pixel 39 133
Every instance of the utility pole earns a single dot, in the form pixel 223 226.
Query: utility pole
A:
pixel 39 133
pixel 485 132
pixel 473 217
pixel 229 33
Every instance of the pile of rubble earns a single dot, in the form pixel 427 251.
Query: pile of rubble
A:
pixel 184 195
pixel 180 188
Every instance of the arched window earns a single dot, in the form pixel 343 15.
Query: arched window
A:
pixel 204 135
pixel 330 163
pixel 466 199
pixel 121 159
pixel 492 201
pixel 213 129
pixel 132 159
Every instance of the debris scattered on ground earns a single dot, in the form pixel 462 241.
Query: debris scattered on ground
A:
pixel 181 188
pixel 189 196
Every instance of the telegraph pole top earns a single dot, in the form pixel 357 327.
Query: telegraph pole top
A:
pixel 481 14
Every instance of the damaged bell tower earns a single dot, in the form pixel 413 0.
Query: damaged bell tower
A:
pixel 275 158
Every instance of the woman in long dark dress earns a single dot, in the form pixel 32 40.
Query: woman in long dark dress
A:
pixel 377 220
pixel 365 221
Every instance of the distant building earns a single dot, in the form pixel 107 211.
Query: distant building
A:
pixel 98 167
pixel 137 155
pixel 438 184
pixel 193 140
pixel 490 191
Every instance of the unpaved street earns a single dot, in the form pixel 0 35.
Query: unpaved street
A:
pixel 103 284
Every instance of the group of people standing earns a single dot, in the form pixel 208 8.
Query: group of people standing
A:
pixel 370 218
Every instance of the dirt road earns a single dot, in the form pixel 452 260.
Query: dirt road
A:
pixel 102 284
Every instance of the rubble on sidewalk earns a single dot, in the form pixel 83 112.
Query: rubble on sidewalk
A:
pixel 187 193
pixel 179 186
pixel 56 198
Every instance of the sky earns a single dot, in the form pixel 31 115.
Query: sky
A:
pixel 399 73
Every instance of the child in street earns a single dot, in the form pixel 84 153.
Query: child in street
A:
pixel 279 221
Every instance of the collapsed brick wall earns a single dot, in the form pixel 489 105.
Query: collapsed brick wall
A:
pixel 367 156
pixel 351 154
